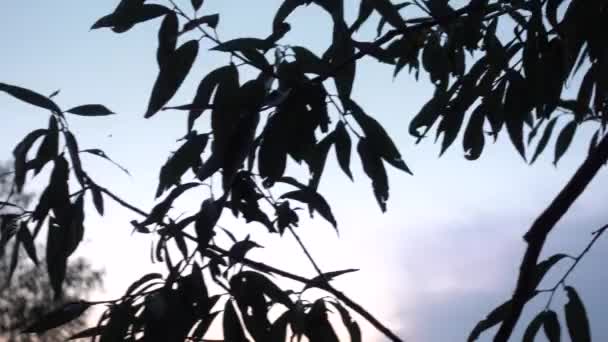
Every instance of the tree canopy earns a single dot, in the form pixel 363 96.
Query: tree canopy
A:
pixel 498 68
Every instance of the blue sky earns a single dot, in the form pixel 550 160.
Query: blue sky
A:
pixel 443 255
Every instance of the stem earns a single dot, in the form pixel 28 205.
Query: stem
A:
pixel 536 236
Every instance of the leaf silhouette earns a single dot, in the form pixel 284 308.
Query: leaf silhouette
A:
pixel 204 91
pixel 544 139
pixel 196 4
pixel 315 201
pixel 493 318
pixel 171 76
pixel 233 330
pixel 474 139
pixel 377 137
pixel 551 326
pixel 30 97
pixel 210 20
pixel 533 328
pixel 122 21
pixel 366 8
pixel 516 108
pixel 183 159
pixel 89 332
pixel 576 317
pixel 544 266
pixel 343 148
pixel 97 199
pixel 286 8
pixel 102 154
pixel 65 314
pixel 73 150
pixel 167 39
pixel 49 148
pixel 90 110
pixel 240 44
pixel 26 239
pixel 318 327
pixel 240 249
pixel 389 12
pixel 373 167
pixel 321 279
pixel 563 140
pixel 20 155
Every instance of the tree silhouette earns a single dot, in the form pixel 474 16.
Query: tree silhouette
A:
pixel 25 292
pixel 498 68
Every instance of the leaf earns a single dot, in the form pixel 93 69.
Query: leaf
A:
pixel 233 330
pixel 533 328
pixel 49 148
pixel 493 318
pixel 308 61
pixel 171 76
pixel 544 139
pixel 563 140
pixel 167 39
pixel 373 167
pixel 344 66
pixel 389 12
pixel 30 97
pixel 13 262
pixel 56 256
pixel 318 327
pixel 102 154
pixel 141 281
pixel 576 317
pixel 474 140
pixel 318 159
pixel 321 279
pixel 343 148
pixel 353 328
pixel 286 8
pixel 204 91
pixel 316 202
pixel 121 21
pixel 240 44
pixel 90 110
pixel 72 146
pixel 551 326
pixel 58 317
pixel 97 199
pixel 544 266
pixel 378 139
pixel 516 108
pixel 383 20
pixel 183 159
pixel 25 237
pixel 238 251
pixel 196 4
pixel 365 10
pixel 20 155
pixel 210 20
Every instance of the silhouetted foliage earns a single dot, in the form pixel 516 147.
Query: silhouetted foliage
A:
pixel 498 68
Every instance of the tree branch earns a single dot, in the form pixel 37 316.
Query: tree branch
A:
pixel 541 228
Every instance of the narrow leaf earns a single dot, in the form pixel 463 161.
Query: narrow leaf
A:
pixel 210 20
pixel 544 139
pixel 233 330
pixel 27 240
pixel 563 140
pixel 343 148
pixel 576 317
pixel 90 110
pixel 533 328
pixel 30 97
pixel 551 326
pixel 196 4
pixel 171 76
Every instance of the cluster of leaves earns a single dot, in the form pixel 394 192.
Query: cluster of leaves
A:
pixel 516 81
pixel 261 125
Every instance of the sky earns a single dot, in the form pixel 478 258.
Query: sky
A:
pixel 445 253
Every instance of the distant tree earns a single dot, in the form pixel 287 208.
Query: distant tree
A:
pixel 499 67
pixel 25 292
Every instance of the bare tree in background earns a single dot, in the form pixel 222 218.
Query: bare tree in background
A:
pixel 27 296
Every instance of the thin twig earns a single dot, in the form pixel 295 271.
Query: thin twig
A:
pixel 577 259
